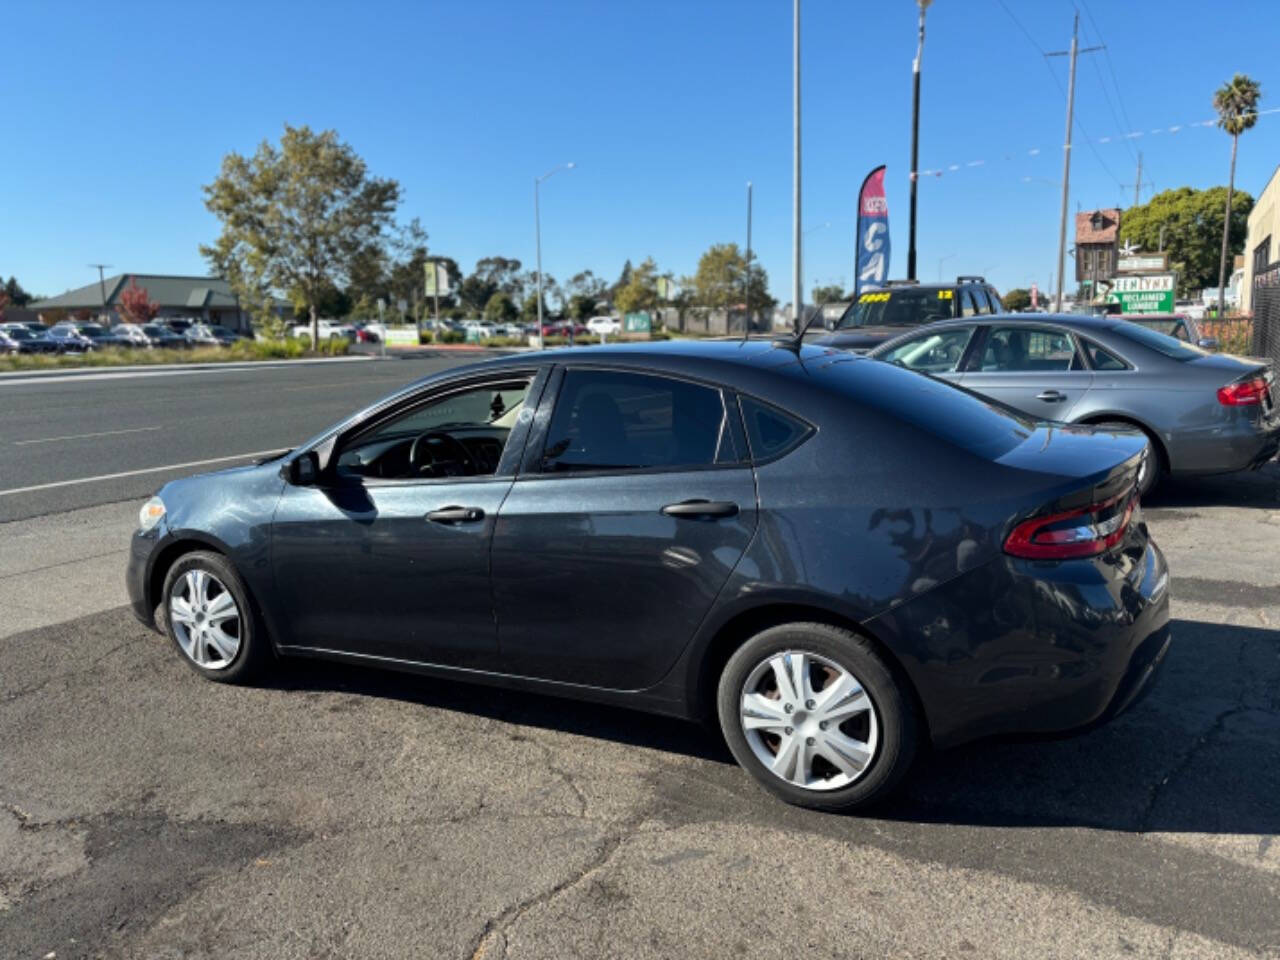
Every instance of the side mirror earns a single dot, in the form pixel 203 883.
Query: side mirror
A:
pixel 303 470
pixel 1208 343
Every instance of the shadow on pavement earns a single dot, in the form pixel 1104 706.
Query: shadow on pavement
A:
pixel 1253 488
pixel 1200 754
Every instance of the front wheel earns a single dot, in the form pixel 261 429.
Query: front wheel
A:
pixel 210 618
pixel 816 716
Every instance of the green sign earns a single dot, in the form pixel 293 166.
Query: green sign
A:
pixel 637 323
pixel 1147 294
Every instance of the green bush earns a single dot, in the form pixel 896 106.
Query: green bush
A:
pixel 287 349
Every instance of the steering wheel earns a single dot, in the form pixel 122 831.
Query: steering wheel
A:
pixel 430 454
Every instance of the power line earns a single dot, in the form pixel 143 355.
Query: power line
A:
pixel 1125 127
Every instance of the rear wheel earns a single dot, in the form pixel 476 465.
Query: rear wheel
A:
pixel 814 714
pixel 1154 467
pixel 210 618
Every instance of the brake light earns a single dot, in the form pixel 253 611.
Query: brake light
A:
pixel 1083 532
pixel 1244 393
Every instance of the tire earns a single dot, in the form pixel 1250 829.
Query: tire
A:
pixel 882 721
pixel 192 614
pixel 1156 467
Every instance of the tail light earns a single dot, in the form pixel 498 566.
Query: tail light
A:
pixel 1083 532
pixel 1244 393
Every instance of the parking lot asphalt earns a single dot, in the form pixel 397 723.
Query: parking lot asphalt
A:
pixel 342 812
pixel 115 429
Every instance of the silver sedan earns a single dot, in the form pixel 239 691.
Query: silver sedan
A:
pixel 1202 412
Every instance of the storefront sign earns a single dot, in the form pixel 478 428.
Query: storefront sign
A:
pixel 1143 294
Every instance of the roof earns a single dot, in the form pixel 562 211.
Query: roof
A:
pixel 1107 231
pixel 179 292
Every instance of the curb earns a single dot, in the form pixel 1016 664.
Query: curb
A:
pixel 59 372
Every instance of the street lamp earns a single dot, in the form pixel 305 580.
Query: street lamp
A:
pixel 915 141
pixel 537 238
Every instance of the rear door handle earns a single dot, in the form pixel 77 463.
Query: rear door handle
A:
pixel 1051 396
pixel 695 509
pixel 456 515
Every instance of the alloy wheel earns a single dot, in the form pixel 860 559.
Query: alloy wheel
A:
pixel 809 720
pixel 206 619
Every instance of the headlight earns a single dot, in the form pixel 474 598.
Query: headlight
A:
pixel 152 512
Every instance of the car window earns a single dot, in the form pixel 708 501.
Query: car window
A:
pixel 1159 342
pixel 937 352
pixel 152 330
pixel 997 305
pixel 898 307
pixel 460 434
pixel 980 298
pixel 1028 349
pixel 607 420
pixel 771 433
pixel 968 306
pixel 1101 359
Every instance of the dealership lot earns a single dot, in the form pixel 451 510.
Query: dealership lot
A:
pixel 337 811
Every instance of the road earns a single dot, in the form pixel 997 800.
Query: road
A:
pixel 73 428
pixel 342 812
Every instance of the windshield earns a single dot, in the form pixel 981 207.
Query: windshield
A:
pixel 17 333
pixel 152 330
pixel 897 308
pixel 1159 342
pixel 91 330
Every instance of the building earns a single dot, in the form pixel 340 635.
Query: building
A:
pixel 1097 236
pixel 208 299
pixel 1262 245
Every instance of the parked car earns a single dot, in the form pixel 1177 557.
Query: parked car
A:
pixel 178 325
pixel 210 335
pixel 326 330
pixel 885 311
pixel 15 338
pixel 151 336
pixel 604 326
pixel 85 336
pixel 68 339
pixel 1195 309
pixel 39 335
pixel 1202 412
pixel 638 524
pixel 563 328
pixel 1177 325
pixel 368 332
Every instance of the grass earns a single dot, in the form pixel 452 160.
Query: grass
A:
pixel 239 351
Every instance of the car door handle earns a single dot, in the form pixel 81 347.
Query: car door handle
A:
pixel 456 515
pixel 1051 396
pixel 696 509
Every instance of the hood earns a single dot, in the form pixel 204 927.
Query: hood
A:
pixel 859 338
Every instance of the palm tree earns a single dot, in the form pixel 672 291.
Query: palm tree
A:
pixel 1237 106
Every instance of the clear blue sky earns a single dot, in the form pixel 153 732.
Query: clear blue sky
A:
pixel 119 112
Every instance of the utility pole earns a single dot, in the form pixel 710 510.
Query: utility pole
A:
pixel 797 281
pixel 746 299
pixel 915 141
pixel 102 285
pixel 1137 184
pixel 537 240
pixel 1066 149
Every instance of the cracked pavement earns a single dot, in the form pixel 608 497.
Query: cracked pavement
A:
pixel 340 812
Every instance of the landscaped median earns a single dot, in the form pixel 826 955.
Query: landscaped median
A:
pixel 238 352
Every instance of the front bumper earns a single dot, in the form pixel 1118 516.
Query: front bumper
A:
pixel 137 575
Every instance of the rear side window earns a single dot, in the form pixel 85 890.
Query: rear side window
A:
pixel 968 306
pixel 1101 359
pixel 936 352
pixel 1027 350
pixel 996 303
pixel 980 297
pixel 770 432
pixel 608 420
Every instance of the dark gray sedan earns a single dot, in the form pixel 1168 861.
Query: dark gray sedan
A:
pixel 1202 412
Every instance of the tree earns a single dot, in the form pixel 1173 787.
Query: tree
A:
pixel 1017 299
pixel 1237 106
pixel 298 216
pixel 500 308
pixel 1190 223
pixel 721 280
pixel 828 294
pixel 529 309
pixel 16 295
pixel 135 303
pixel 624 278
pixel 475 292
pixel 641 289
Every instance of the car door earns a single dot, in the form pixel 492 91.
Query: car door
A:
pixel 388 554
pixel 634 503
pixel 937 352
pixel 1037 369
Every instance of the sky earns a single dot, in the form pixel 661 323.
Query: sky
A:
pixel 119 112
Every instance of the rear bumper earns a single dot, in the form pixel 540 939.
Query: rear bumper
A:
pixel 1035 648
pixel 1248 444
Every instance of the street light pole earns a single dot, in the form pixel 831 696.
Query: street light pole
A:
pixel 915 141
pixel 746 298
pixel 537 237
pixel 102 286
pixel 797 238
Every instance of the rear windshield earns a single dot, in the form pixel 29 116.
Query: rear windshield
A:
pixel 897 308
pixel 982 426
pixel 1159 342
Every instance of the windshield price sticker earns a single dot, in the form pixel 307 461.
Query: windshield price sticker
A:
pixel 944 294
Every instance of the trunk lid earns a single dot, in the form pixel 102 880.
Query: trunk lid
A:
pixel 1081 464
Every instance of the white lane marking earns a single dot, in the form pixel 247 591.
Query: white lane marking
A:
pixel 123 373
pixel 134 473
pixel 85 436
